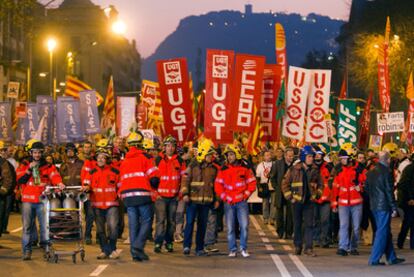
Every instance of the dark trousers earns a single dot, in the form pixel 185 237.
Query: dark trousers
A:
pixel 200 212
pixel 121 222
pixel 107 221
pixel 2 211
pixel 284 218
pixel 407 225
pixel 89 219
pixel 322 223
pixel 165 209
pixel 303 216
pixel 8 209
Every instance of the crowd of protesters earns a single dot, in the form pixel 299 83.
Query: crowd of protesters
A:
pixel 313 197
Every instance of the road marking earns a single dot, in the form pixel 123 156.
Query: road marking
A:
pixel 280 265
pixel 16 230
pixel 99 270
pixel 300 266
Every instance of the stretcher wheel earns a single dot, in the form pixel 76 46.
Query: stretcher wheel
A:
pixel 74 258
pixel 82 255
pixel 56 259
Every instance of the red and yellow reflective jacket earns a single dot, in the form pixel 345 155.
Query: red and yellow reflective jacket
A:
pixel 103 184
pixel 346 190
pixel 49 176
pixel 136 171
pixel 170 172
pixel 88 165
pixel 326 192
pixel 235 183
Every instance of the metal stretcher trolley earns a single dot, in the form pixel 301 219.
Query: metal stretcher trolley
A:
pixel 64 221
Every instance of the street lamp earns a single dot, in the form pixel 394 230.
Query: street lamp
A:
pixel 119 27
pixel 51 45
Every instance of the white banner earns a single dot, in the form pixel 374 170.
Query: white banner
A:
pixel 318 106
pixel 411 129
pixel 390 122
pixel 125 114
pixel 298 88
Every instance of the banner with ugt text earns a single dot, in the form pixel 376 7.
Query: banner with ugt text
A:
pixel 176 98
pixel 247 88
pixel 272 80
pixel 318 106
pixel 5 121
pixel 298 89
pixel 68 120
pixel 89 112
pixel 219 77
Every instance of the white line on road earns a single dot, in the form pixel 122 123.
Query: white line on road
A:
pixel 99 270
pixel 16 230
pixel 300 266
pixel 280 265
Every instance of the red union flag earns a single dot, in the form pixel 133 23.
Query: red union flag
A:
pixel 176 98
pixel 219 77
pixel 298 87
pixel 272 80
pixel 318 106
pixel 247 89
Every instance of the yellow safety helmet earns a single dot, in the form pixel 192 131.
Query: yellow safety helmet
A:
pixel 33 142
pixel 350 149
pixel 233 148
pixel 103 150
pixel 148 144
pixel 135 138
pixel 205 147
pixel 103 143
pixel 391 148
pixel 2 144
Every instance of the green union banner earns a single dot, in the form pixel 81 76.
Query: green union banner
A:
pixel 347 123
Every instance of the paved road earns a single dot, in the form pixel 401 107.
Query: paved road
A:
pixel 270 256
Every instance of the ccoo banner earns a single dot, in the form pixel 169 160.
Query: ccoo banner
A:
pixel 45 109
pixel 246 92
pixel 347 123
pixel 5 121
pixel 68 120
pixel 390 122
pixel 318 106
pixel 219 77
pixel 176 98
pixel 89 112
pixel 272 81
pixel 298 88
pixel 125 114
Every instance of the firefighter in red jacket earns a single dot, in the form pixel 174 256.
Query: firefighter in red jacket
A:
pixel 139 182
pixel 89 162
pixel 347 201
pixel 33 176
pixel 170 167
pixel 234 184
pixel 102 182
pixel 323 204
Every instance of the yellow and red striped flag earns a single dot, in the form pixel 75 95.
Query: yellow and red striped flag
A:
pixel 74 86
pixel 108 113
pixel 258 133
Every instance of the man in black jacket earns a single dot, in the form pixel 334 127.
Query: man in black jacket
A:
pixel 284 215
pixel 383 207
pixel 406 203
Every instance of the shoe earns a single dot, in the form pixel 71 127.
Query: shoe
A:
pixel 178 238
pixel 201 253
pixel 114 255
pixel 211 249
pixel 317 244
pixel 298 251
pixel 280 235
pixel 397 261
pixel 6 232
pixel 88 241
pixel 141 255
pixel 102 256
pixel 186 251
pixel 245 254
pixel 377 263
pixel 27 256
pixel 309 253
pixel 169 247
pixel 400 245
pixel 354 252
pixel 341 252
pixel 137 259
pixel 233 254
pixel 157 248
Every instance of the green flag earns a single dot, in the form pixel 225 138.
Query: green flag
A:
pixel 280 102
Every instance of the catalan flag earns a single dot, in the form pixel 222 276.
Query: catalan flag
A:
pixel 74 86
pixel 255 137
pixel 108 114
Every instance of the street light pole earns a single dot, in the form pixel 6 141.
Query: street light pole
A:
pixel 51 45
